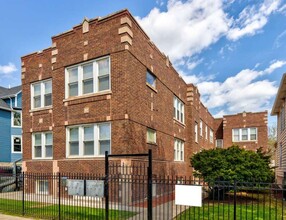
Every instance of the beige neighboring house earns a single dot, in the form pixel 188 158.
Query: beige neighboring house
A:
pixel 280 153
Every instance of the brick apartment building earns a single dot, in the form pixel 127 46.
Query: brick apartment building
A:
pixel 105 86
pixel 247 129
pixel 280 152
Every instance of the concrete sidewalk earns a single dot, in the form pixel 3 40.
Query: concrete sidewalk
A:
pixel 9 217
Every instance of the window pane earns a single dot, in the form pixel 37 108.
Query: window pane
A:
pixel 244 135
pixel 151 136
pixel 37 89
pixel 73 75
pixel 17 119
pixel 103 67
pixel 49 151
pixel 37 101
pixel 74 148
pixel 150 79
pixel 88 133
pixel 88 71
pixel 73 134
pixel 48 87
pixel 38 151
pixel 73 89
pixel 49 139
pixel 38 139
pixel 253 134
pixel 88 148
pixel 104 131
pixel 43 186
pixel 48 99
pixel 104 146
pixel 88 86
pixel 235 131
pixel 103 83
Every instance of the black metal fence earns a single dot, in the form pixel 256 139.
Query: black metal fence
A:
pixel 81 196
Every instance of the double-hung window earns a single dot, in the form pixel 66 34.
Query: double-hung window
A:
pixel 206 132
pixel 16 119
pixel 178 150
pixel 87 78
pixel 88 140
pixel 211 136
pixel 179 110
pixel 42 145
pixel 196 132
pixel 219 143
pixel 41 93
pixel 244 134
pixel 201 128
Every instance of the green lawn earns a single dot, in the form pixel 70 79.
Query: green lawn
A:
pixel 50 211
pixel 220 211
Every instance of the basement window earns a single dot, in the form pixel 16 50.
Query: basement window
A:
pixel 151 136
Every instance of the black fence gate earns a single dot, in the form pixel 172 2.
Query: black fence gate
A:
pixel 129 185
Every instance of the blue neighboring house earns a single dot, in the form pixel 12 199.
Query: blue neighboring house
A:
pixel 10 124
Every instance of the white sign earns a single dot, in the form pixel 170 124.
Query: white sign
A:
pixel 95 188
pixel 75 187
pixel 188 195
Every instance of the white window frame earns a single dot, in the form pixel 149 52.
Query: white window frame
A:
pixel 201 128
pixel 211 136
pixel 179 151
pixel 155 136
pixel 248 134
pixel 80 77
pixel 12 119
pixel 216 141
pixel 206 132
pixel 38 187
pixel 43 145
pixel 81 140
pixel 196 132
pixel 179 114
pixel 12 144
pixel 42 94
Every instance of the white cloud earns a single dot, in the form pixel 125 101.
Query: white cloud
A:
pixel 282 8
pixel 280 39
pixel 187 27
pixel 242 92
pixel 7 69
pixel 252 19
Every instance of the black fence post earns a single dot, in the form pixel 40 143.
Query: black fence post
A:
pixel 106 186
pixel 23 194
pixel 234 200
pixel 150 185
pixel 59 185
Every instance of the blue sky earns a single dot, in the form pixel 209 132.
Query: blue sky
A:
pixel 234 51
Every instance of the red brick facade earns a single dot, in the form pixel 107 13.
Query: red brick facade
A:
pixel 131 105
pixel 246 120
